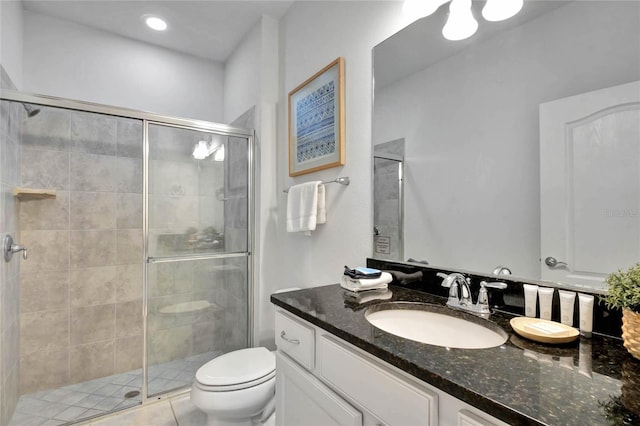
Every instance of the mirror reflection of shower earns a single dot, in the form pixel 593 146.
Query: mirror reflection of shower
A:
pixel 388 203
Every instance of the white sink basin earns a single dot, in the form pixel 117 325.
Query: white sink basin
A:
pixel 435 325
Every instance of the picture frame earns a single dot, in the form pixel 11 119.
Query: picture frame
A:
pixel 316 121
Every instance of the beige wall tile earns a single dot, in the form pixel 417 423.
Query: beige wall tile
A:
pixel 129 318
pixel 129 138
pixel 93 210
pixel 93 286
pixel 91 361
pixel 129 175
pixel 48 251
pixel 129 211
pixel 91 172
pixel 44 291
pixel 92 248
pixel 169 344
pixel 49 129
pixel 128 354
pixel 204 338
pixel 52 213
pixel 10 300
pixel 44 370
pixel 10 393
pixel 10 347
pixel 44 169
pixel 129 246
pixel 93 133
pixel 44 331
pixel 129 282
pixel 92 324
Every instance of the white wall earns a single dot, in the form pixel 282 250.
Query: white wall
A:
pixel 73 61
pixel 314 33
pixel 11 23
pixel 471 129
pixel 251 78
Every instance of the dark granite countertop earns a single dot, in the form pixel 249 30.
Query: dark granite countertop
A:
pixel 586 382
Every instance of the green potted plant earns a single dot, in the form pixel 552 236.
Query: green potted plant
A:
pixel 624 293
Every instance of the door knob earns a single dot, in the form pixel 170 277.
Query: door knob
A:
pixel 552 262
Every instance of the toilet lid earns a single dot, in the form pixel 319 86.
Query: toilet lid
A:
pixel 241 366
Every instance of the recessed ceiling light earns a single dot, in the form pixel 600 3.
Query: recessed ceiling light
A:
pixel 156 23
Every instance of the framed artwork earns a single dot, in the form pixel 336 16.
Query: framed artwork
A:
pixel 316 121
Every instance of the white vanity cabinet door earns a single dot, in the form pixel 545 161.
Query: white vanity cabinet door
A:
pixel 295 339
pixel 302 400
pixel 380 391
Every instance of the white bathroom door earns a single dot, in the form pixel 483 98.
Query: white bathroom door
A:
pixel 590 185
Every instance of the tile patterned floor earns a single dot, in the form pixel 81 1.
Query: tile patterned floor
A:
pixel 100 396
pixel 179 411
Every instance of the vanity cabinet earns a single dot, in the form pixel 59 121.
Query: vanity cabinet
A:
pixel 323 380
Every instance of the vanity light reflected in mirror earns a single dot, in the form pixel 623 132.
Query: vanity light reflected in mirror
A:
pixel 461 23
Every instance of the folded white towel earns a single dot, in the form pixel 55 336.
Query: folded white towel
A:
pixel 362 284
pixel 367 295
pixel 302 207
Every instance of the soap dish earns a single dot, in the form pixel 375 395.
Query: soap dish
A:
pixel 544 331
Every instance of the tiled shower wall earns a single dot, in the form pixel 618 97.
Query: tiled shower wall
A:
pixel 81 304
pixel 11 115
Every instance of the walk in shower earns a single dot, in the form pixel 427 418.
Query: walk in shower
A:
pixel 138 234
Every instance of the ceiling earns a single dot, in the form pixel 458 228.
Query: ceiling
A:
pixel 209 29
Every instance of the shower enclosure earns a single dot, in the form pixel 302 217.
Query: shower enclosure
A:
pixel 138 234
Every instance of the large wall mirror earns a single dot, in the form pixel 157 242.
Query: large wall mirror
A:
pixel 521 143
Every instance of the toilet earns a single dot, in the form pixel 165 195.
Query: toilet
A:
pixel 237 388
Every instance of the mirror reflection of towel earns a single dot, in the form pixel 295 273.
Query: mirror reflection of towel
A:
pixel 306 207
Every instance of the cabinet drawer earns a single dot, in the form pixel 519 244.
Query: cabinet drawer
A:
pixel 302 400
pixel 295 339
pixel 382 392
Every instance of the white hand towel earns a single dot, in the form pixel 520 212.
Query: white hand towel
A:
pixel 302 207
pixel 322 208
pixel 366 283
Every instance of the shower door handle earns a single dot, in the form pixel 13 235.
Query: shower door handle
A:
pixel 10 248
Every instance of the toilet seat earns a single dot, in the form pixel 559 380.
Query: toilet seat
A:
pixel 236 370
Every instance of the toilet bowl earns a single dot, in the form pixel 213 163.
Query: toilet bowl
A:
pixel 237 388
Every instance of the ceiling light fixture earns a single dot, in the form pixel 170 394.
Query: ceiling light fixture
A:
pixel 461 23
pixel 156 23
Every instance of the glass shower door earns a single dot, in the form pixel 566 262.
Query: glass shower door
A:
pixel 197 251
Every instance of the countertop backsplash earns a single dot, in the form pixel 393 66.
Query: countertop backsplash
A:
pixel 511 300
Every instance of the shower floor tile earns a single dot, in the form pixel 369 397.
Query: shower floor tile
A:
pixel 100 396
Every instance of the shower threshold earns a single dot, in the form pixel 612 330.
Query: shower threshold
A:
pixel 72 403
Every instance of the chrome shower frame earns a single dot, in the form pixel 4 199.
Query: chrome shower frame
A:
pixel 148 118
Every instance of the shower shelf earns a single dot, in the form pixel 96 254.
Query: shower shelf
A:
pixel 25 194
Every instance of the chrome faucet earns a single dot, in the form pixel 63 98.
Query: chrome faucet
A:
pixel 462 299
